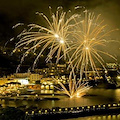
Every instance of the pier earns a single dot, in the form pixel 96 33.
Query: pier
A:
pixel 71 112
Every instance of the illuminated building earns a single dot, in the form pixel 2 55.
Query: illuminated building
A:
pixel 55 70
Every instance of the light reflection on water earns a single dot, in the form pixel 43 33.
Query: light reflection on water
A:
pixel 95 96
pixel 100 117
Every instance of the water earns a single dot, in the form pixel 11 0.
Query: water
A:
pixel 100 117
pixel 94 97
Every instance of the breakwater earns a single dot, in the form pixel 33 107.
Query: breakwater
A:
pixel 71 112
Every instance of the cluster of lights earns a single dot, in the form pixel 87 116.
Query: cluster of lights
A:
pixel 47 86
pixel 45 111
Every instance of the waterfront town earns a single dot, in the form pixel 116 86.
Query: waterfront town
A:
pixel 39 85
pixel 42 79
pixel 60 60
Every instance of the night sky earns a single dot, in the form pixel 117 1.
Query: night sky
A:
pixel 23 11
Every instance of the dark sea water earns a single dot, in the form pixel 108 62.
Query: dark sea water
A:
pixel 100 117
pixel 93 97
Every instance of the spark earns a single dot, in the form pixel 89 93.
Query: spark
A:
pixel 56 35
pixel 74 89
pixel 61 41
pixel 89 36
pixel 53 37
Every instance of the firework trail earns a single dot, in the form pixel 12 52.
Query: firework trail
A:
pixel 53 37
pixel 89 36
pixel 75 38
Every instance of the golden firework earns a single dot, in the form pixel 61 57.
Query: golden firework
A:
pixel 54 36
pixel 77 38
pixel 89 37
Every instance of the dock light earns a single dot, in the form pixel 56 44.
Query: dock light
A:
pixel 53 110
pixel 26 112
pixel 77 108
pixel 39 111
pixel 118 104
pixel 60 109
pixel 88 107
pixel 109 105
pixel 32 112
pixel 99 106
pixel 82 107
pixel 103 105
pixel 45 111
pixel 66 109
pixel 93 106
pixel 71 108
pixel 114 105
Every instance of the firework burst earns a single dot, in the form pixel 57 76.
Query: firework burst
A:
pixel 89 37
pixel 74 38
pixel 54 36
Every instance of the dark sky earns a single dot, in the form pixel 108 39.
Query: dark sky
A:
pixel 15 11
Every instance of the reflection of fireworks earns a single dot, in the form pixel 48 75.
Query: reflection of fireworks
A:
pixel 74 89
pixel 89 35
pixel 54 37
